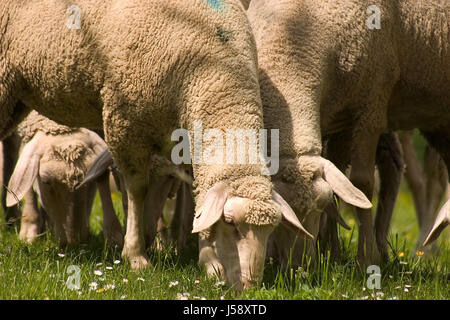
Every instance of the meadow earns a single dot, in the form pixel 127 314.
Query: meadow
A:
pixel 43 271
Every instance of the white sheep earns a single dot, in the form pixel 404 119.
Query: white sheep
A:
pixel 141 69
pixel 53 161
pixel 166 179
pixel 328 68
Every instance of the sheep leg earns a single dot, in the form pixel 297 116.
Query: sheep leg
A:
pixel 363 158
pixel 118 178
pixel 31 220
pixel 134 245
pixel 440 141
pixel 187 215
pixel 436 184
pixel 130 151
pixel 328 231
pixel 389 160
pixel 181 224
pixel 162 239
pixel 154 205
pixel 10 155
pixel 414 176
pixel 177 219
pixel 90 197
pixel 328 234
pixel 111 225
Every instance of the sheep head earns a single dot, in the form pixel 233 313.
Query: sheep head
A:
pixel 308 184
pixel 239 226
pixel 54 165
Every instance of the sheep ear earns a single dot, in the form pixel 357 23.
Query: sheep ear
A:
pixel 25 172
pixel 288 214
pixel 98 167
pixel 212 208
pixel 342 186
pixel 442 221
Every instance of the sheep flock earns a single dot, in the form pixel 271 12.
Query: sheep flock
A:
pixel 259 118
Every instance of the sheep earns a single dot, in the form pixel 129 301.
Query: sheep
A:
pixel 427 183
pixel 52 161
pixel 284 245
pixel 322 67
pixel 141 70
pixel 389 160
pixel 167 178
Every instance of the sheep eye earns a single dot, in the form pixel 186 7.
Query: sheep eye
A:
pixel 229 221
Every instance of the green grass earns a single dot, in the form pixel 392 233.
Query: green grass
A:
pixel 39 271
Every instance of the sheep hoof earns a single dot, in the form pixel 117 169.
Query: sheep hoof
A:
pixel 215 271
pixel 139 262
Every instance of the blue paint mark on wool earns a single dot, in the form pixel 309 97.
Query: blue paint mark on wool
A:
pixel 216 4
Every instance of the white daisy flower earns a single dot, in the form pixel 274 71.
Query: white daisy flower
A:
pixel 98 273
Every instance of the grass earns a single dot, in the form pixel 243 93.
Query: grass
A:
pixel 40 270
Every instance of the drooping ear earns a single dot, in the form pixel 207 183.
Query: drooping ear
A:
pixel 26 170
pixel 442 221
pixel 212 208
pixel 342 186
pixel 98 167
pixel 289 215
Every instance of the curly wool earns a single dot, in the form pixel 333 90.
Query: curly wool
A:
pixel 72 153
pixel 243 181
pixel 35 122
pixel 301 175
pixel 262 210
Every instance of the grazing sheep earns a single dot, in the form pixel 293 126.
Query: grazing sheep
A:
pixel 166 179
pixel 284 245
pixel 389 160
pixel 52 161
pixel 324 66
pixel 141 69
pixel 428 184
